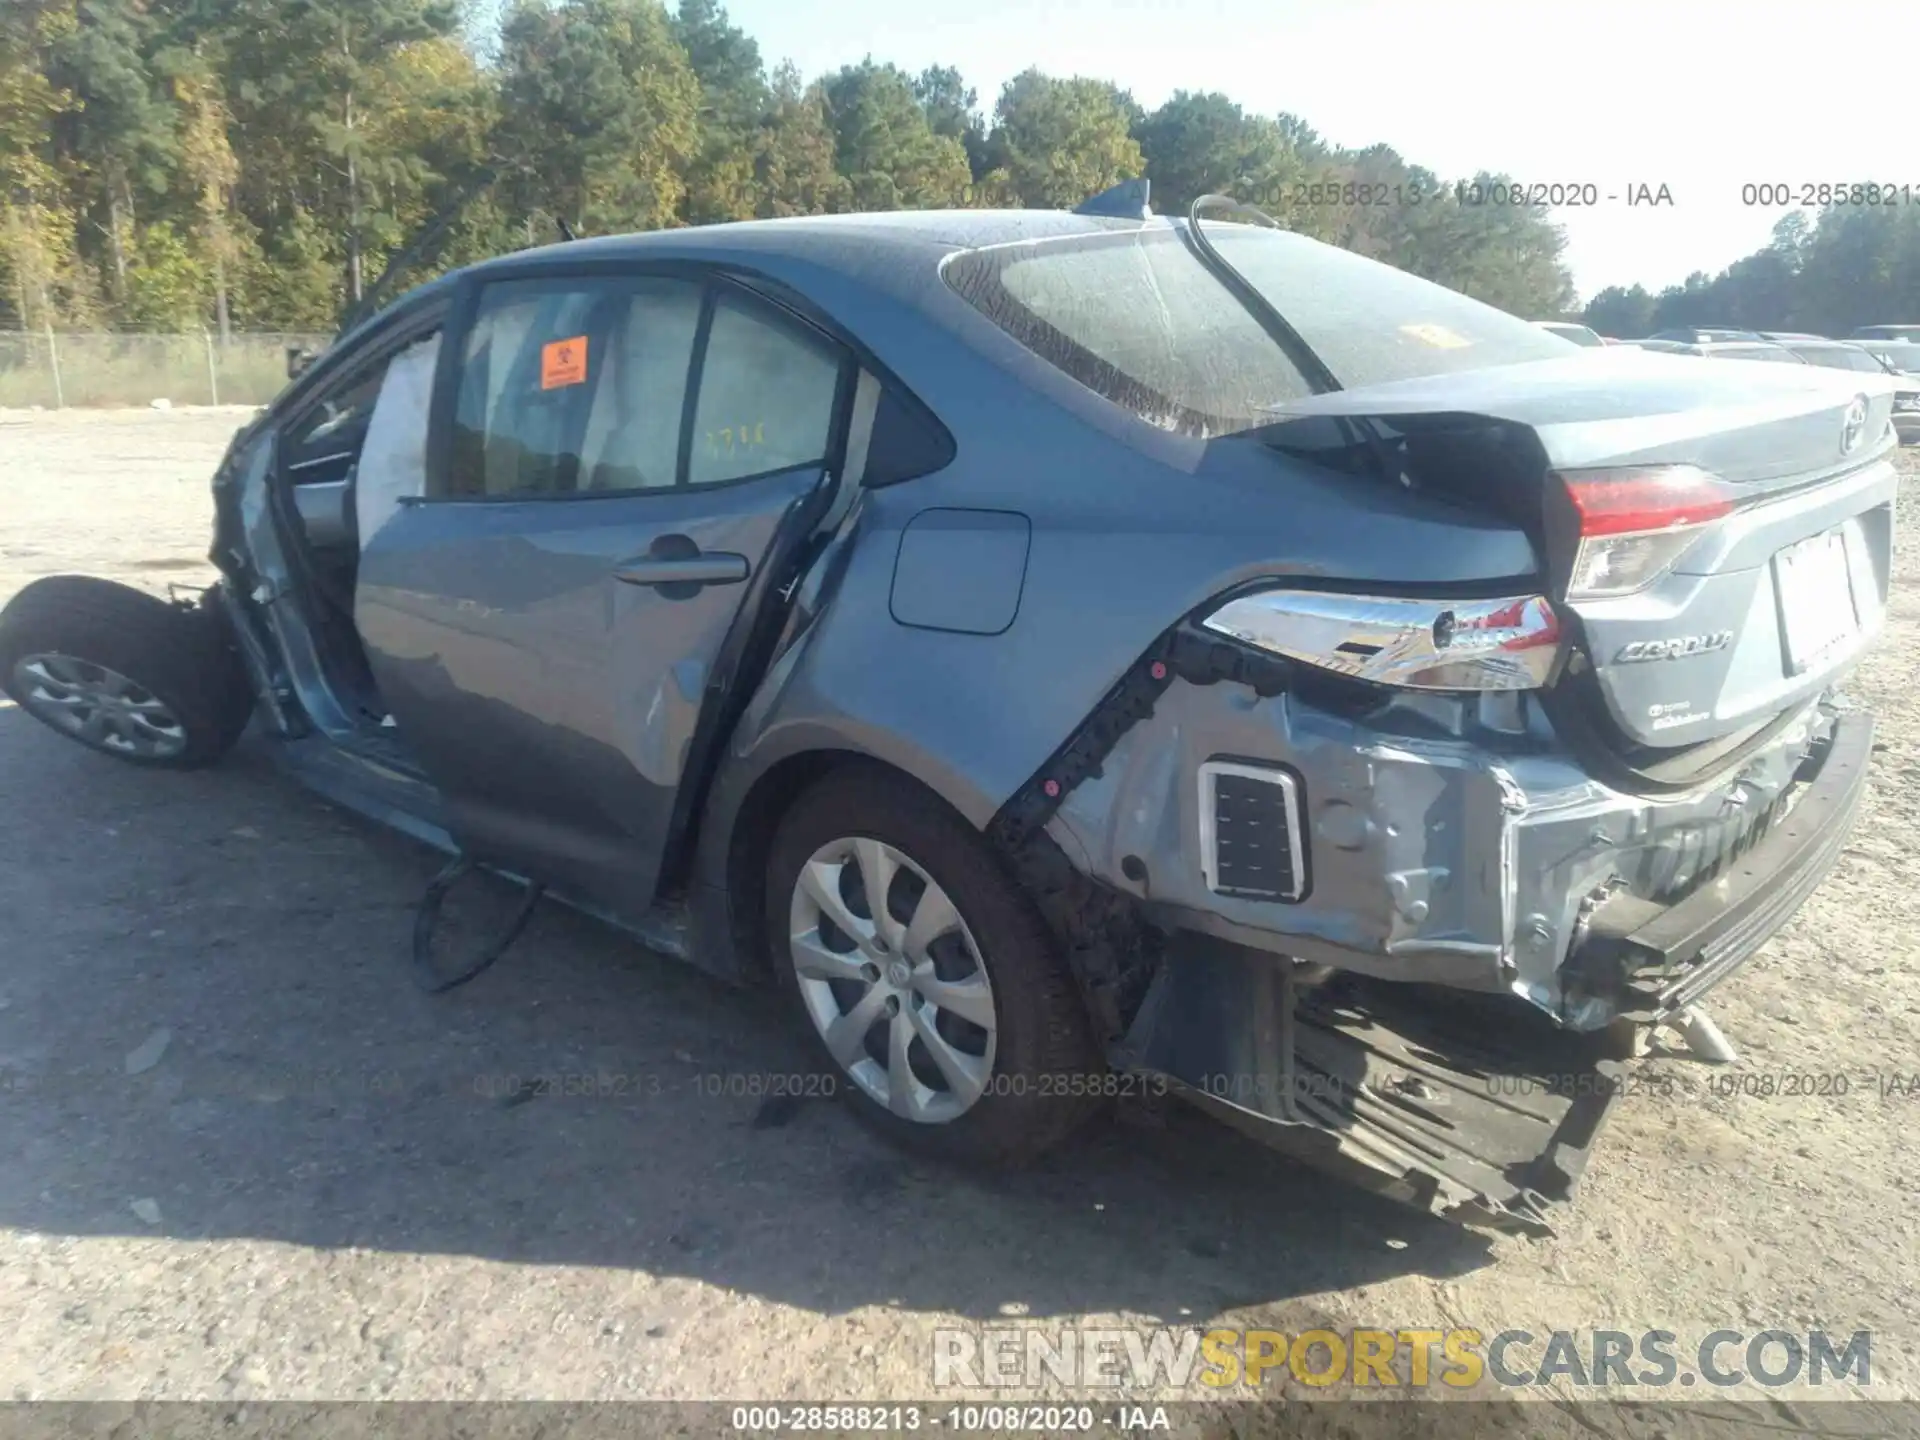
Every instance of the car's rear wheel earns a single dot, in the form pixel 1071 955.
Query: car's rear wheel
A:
pixel 925 974
pixel 124 672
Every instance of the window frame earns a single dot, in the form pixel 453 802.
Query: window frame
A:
pixel 342 371
pixel 712 282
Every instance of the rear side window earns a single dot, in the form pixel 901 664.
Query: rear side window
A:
pixel 767 396
pixel 640 383
pixel 1137 317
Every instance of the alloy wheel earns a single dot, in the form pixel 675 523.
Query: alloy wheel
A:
pixel 98 706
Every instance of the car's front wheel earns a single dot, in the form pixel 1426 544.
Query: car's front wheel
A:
pixel 124 672
pixel 925 974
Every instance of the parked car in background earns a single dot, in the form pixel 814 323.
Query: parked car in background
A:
pixel 1902 359
pixel 1568 330
pixel 1788 335
pixel 1725 350
pixel 1069 655
pixel 1886 332
pixel 1697 335
pixel 1838 355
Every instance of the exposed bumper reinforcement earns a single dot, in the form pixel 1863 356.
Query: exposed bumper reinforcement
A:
pixel 1673 956
pixel 1474 1108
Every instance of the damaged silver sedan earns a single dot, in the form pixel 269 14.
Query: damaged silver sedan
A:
pixel 1062 650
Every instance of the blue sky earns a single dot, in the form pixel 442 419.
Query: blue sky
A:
pixel 1699 95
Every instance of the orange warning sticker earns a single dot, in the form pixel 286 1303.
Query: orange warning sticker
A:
pixel 563 362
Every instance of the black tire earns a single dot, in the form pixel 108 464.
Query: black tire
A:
pixel 182 657
pixel 1047 1073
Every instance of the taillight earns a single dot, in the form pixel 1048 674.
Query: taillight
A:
pixel 1507 644
pixel 1636 522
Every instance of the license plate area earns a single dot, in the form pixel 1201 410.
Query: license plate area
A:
pixel 1814 587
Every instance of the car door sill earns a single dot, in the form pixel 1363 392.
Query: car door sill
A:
pixel 374 778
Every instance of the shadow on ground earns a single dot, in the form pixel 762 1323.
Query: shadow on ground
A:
pixel 208 1032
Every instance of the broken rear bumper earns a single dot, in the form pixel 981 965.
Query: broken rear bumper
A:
pixel 1669 957
pixel 1475 1108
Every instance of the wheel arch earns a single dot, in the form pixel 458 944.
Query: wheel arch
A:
pixel 728 908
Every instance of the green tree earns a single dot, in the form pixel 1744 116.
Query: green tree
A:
pixel 209 169
pixel 309 80
pixel 38 267
pixel 600 112
pixel 1623 312
pixel 952 110
pixel 733 99
pixel 884 146
pixel 117 136
pixel 1507 255
pixel 794 172
pixel 1196 144
pixel 1062 140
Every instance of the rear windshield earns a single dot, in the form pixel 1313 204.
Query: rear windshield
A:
pixel 1137 317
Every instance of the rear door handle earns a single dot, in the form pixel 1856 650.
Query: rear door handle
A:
pixel 702 567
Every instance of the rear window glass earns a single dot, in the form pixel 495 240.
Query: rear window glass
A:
pixel 1137 317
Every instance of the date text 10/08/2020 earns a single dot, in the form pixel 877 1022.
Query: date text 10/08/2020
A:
pixel 1365 194
pixel 994 1419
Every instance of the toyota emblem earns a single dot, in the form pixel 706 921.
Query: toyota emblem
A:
pixel 1854 428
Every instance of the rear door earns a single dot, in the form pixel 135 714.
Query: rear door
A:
pixel 614 460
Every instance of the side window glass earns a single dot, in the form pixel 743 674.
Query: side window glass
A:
pixel 573 386
pixel 767 392
pixel 633 430
pixel 578 387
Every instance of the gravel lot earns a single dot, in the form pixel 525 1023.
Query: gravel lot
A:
pixel 245 1159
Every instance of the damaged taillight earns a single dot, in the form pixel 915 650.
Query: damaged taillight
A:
pixel 1417 644
pixel 1635 523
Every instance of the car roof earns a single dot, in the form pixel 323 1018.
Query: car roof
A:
pixel 845 242
pixel 903 245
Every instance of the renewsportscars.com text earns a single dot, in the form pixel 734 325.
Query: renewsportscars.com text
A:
pixel 1006 1357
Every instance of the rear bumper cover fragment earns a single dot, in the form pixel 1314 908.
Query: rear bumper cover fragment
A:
pixel 1473 1108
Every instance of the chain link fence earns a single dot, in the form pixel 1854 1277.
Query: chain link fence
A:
pixel 55 369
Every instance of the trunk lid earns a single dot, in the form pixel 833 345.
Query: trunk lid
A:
pixel 1764 606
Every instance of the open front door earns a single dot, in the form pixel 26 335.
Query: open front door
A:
pixel 616 463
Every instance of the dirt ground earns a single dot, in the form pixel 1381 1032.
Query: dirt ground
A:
pixel 244 1158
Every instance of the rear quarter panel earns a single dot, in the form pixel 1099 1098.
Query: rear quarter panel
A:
pixel 1129 529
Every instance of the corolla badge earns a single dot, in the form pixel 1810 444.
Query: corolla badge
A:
pixel 1677 648
pixel 1853 429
